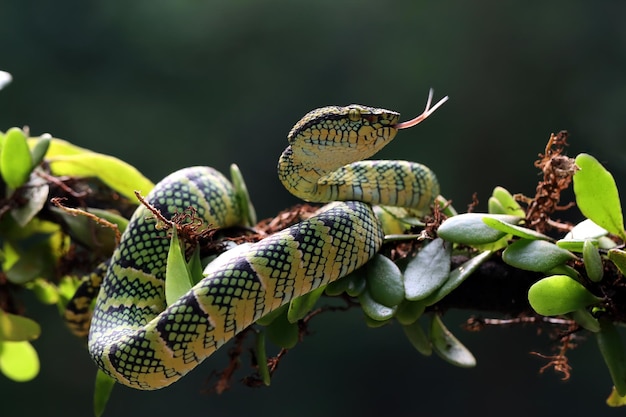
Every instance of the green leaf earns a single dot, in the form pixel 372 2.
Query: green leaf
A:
pixel 356 282
pixel 597 195
pixel 574 245
pixel 267 319
pixel 507 202
pixel 470 229
pixel 409 311
pixel 39 150
pixel 337 287
pixel 612 350
pixel 514 230
pixel 15 160
pixel 418 338
pixel 16 328
pixel 35 196
pixel 616 400
pixel 195 266
pixel 281 332
pixel 243 197
pixel 102 391
pixel 428 270
pixel 457 276
pixel 618 257
pixel 261 359
pixel 495 207
pixel 593 261
pixel 46 292
pixel 299 307
pixel 384 281
pixel 374 309
pixel 586 229
pixel 19 361
pixel 559 294
pixel 71 160
pixel 177 278
pixel 583 317
pixel 448 347
pixel 535 255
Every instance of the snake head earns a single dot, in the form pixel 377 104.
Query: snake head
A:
pixel 340 135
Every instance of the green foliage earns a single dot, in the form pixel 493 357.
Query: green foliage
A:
pixel 178 280
pixel 102 391
pixel 597 195
pixel 565 291
pixel 448 347
pixel 405 290
pixel 559 294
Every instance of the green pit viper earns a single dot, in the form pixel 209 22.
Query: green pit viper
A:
pixel 140 342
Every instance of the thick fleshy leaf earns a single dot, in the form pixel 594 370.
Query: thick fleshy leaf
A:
pixel 177 278
pixel 507 202
pixel 428 270
pixel 16 328
pixel 418 338
pixel 267 319
pixel 35 196
pixel 559 294
pixel 39 150
pixel 586 229
pixel 597 196
pixel 514 230
pixel 102 391
pixel 457 276
pixel 375 310
pixel 612 349
pixel 15 160
pixel 409 311
pixel 583 317
pixel 618 257
pixel 281 332
pixel 19 361
pixel 448 347
pixel 337 287
pixel 593 261
pixel 495 207
pixel 261 359
pixel 470 229
pixel 384 281
pixel 299 307
pixel 356 282
pixel 574 245
pixel 535 255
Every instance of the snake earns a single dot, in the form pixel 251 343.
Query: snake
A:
pixel 141 342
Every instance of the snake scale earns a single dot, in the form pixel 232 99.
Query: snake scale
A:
pixel 140 342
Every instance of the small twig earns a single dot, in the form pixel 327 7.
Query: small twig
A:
pixel 61 184
pixel 78 212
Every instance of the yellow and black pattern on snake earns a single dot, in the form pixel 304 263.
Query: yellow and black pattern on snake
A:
pixel 138 340
pixel 323 161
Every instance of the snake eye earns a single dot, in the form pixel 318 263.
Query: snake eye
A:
pixel 354 115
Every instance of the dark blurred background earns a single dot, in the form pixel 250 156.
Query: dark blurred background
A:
pixel 168 84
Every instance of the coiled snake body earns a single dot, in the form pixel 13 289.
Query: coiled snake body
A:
pixel 139 341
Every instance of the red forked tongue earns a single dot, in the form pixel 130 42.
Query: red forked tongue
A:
pixel 427 112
